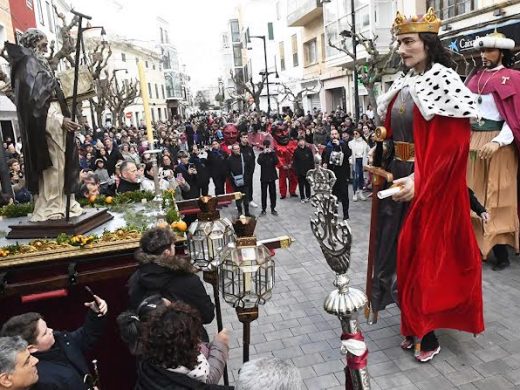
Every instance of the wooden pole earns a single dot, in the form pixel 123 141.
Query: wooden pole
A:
pixel 146 102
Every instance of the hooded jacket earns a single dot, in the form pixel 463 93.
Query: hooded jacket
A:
pixel 172 277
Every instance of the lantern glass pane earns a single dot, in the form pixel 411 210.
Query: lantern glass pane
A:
pixel 246 281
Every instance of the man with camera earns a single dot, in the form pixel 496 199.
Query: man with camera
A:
pixel 335 157
pixel 267 160
pixel 188 171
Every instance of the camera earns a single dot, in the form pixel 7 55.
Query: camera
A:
pixel 167 173
pixel 336 158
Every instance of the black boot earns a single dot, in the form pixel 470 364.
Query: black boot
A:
pixel 502 257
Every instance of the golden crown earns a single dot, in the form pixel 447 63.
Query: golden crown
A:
pixel 417 24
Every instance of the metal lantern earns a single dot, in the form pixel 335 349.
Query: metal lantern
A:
pixel 246 276
pixel 208 235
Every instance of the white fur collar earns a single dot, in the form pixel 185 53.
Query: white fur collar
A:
pixel 439 91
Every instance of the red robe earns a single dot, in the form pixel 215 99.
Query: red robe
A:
pixel 439 270
pixel 505 87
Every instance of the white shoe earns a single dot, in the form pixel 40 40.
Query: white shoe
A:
pixel 354 197
pixel 253 204
pixel 361 196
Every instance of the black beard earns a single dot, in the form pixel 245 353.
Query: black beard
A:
pixel 492 65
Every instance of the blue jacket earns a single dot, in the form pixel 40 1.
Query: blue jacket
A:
pixel 64 366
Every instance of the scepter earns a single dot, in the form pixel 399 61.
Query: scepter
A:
pixel 70 135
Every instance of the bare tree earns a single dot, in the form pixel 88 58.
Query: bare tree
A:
pixel 236 97
pixel 120 97
pixel 99 55
pixel 68 43
pixel 297 97
pixel 371 69
pixel 253 89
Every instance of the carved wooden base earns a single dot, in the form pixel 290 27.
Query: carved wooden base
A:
pixel 90 219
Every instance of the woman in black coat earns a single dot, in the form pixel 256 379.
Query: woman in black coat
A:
pixel 162 272
pixel 303 161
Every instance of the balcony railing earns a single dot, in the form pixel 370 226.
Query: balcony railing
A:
pixel 301 12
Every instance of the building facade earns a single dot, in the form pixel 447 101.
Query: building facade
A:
pixel 125 57
pixel 6 24
pixel 289 56
pixel 22 16
pixel 308 14
pixel 373 18
pixel 177 91
pixel 465 21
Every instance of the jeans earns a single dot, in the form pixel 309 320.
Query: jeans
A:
pixel 358 174
pixel 304 187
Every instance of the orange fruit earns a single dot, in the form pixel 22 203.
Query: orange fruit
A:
pixel 180 226
pixel 92 198
pixel 109 200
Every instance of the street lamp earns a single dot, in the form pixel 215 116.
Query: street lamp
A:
pixel 207 237
pixel 262 37
pixel 247 276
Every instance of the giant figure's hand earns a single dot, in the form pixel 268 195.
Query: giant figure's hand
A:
pixel 488 150
pixel 69 125
pixel 407 191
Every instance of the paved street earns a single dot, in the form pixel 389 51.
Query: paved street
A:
pixel 293 324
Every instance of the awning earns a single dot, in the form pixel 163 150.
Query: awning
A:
pixel 463 41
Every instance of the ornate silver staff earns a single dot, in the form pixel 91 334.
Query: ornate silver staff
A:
pixel 335 239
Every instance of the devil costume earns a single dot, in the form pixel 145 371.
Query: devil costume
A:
pixel 36 92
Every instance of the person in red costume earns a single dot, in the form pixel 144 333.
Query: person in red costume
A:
pixel 285 147
pixel 493 162
pixel 439 271
pixel 230 133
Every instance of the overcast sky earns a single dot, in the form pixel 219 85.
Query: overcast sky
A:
pixel 195 28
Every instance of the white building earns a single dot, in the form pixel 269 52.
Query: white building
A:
pixel 372 18
pixel 289 55
pixel 149 33
pixel 177 81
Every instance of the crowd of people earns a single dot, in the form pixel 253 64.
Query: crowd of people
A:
pixel 196 152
